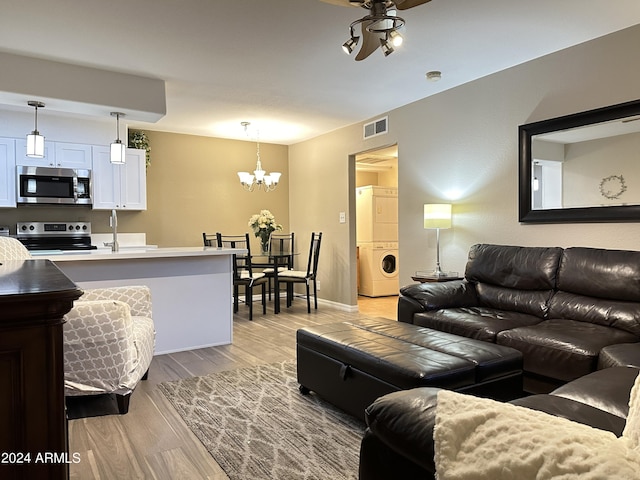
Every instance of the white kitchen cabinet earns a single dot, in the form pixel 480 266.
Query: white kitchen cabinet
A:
pixel 120 187
pixel 56 155
pixel 73 155
pixel 7 173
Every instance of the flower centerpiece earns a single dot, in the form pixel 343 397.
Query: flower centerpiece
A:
pixel 263 224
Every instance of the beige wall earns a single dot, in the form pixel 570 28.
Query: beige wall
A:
pixel 193 187
pixel 462 146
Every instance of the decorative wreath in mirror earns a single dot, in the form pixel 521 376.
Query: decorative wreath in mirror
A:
pixel 613 186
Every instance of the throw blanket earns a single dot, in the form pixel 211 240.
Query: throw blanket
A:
pixel 481 439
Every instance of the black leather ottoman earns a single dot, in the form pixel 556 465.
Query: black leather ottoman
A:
pixel 350 364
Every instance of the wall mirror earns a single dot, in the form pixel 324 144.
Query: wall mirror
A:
pixel 583 167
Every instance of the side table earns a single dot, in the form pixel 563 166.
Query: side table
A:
pixel 426 278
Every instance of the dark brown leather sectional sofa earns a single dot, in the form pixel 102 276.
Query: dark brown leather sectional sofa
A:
pixel 574 314
pixel 567 310
pixel 398 442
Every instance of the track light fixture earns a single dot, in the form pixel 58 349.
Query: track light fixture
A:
pixel 35 141
pixel 381 23
pixel 379 28
pixel 350 44
pixel 386 46
pixel 117 147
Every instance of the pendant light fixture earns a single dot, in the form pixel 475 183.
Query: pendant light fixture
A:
pixel 260 179
pixel 35 141
pixel 117 147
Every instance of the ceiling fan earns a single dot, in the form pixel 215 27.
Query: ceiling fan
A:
pixel 379 28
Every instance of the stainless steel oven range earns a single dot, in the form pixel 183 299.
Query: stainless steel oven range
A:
pixel 55 235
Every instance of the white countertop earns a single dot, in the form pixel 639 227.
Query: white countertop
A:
pixel 133 253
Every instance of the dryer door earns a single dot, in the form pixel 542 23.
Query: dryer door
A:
pixel 389 264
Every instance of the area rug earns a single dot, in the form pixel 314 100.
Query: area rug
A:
pixel 257 425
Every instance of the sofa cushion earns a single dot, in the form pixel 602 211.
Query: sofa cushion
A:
pixel 611 274
pixel 522 268
pixel 562 349
pixel 532 302
pixel 610 312
pixel 475 322
pixel 620 355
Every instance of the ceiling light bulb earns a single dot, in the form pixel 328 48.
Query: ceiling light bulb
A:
pixel 396 38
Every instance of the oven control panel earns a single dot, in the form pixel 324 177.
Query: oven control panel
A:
pixel 53 229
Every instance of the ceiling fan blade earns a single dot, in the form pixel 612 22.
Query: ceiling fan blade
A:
pixel 344 3
pixel 406 4
pixel 370 42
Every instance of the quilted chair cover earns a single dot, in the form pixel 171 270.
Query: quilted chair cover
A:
pixel 109 336
pixel 12 249
pixel 109 340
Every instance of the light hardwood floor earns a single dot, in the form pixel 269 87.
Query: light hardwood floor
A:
pixel 152 441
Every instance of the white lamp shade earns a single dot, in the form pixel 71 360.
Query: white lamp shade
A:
pixel 35 145
pixel 275 176
pixel 437 215
pixel 117 152
pixel 259 175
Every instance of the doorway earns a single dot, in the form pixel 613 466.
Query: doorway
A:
pixel 376 182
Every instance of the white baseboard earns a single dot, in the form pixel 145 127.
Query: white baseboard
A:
pixel 321 301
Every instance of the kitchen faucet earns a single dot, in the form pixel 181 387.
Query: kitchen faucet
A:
pixel 113 223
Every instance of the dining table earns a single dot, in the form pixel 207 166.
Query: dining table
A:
pixel 274 259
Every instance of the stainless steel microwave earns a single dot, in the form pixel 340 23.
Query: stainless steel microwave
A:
pixel 64 186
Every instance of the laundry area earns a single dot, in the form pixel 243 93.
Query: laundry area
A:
pixel 377 223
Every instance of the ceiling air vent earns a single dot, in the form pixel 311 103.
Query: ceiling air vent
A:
pixel 375 128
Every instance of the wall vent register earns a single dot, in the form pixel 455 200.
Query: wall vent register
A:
pixel 375 128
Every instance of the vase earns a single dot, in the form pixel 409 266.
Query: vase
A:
pixel 264 243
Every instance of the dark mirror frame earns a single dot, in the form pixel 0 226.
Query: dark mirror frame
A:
pixel 625 213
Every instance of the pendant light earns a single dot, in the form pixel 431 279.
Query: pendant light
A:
pixel 117 147
pixel 35 141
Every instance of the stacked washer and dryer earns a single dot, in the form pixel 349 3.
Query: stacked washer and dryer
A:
pixel 377 240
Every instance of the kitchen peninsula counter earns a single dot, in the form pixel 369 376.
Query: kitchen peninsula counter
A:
pixel 128 253
pixel 191 288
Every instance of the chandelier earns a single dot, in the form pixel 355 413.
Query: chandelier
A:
pixel 260 178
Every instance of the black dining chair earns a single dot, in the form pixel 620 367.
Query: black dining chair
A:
pixel 280 242
pixel 243 274
pixel 291 277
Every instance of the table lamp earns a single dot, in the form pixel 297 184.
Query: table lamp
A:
pixel 437 215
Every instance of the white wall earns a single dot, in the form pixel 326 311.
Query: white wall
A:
pixel 462 146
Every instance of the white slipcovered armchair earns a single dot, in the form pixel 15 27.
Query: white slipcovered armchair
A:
pixel 109 337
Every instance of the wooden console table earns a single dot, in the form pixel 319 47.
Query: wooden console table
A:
pixel 34 297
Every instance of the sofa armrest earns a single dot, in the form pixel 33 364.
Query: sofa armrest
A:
pixel 427 296
pixel 404 422
pixel 138 297
pixel 99 349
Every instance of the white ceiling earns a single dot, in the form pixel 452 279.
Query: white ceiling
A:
pixel 278 63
